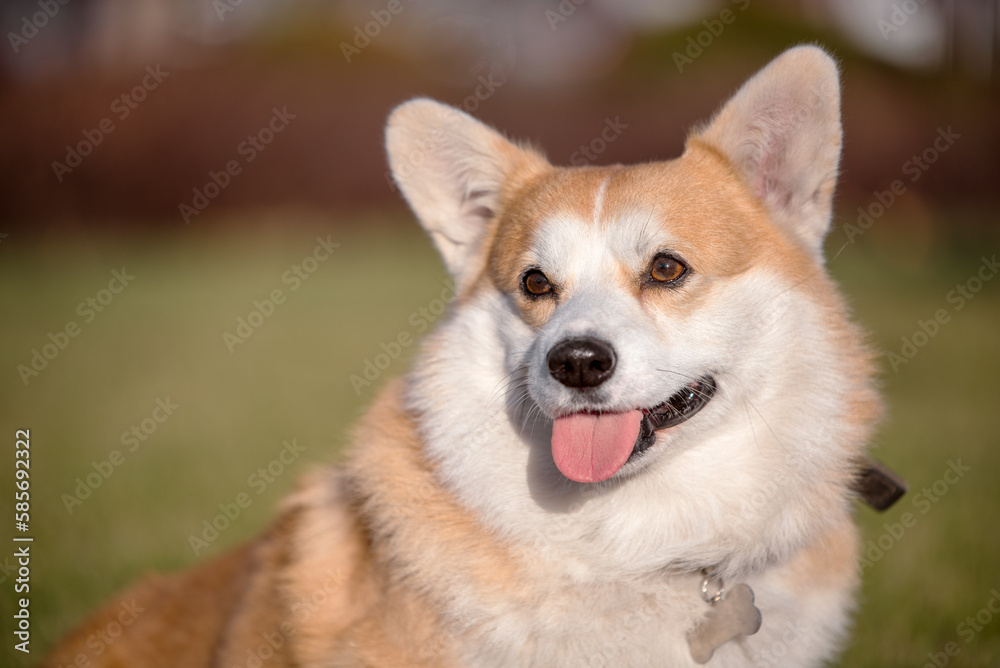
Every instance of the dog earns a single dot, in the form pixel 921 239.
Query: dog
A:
pixel 633 441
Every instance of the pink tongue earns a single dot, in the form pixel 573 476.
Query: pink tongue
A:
pixel 590 448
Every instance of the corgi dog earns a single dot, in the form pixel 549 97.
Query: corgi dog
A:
pixel 633 441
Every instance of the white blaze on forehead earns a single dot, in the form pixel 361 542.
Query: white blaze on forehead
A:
pixel 599 200
pixel 575 252
pixel 637 235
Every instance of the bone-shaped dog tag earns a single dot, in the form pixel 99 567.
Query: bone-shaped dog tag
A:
pixel 732 616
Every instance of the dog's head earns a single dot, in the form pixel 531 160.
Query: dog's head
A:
pixel 643 294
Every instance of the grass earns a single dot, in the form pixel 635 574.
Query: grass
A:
pixel 162 337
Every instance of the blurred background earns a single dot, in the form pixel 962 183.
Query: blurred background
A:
pixel 167 166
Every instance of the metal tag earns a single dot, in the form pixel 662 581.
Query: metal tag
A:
pixel 732 616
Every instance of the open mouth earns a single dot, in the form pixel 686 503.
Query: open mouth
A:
pixel 591 447
pixel 679 408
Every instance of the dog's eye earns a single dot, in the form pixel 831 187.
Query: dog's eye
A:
pixel 667 269
pixel 535 284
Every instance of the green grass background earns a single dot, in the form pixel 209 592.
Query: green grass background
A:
pixel 162 337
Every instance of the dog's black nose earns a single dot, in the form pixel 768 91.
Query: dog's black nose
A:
pixel 581 363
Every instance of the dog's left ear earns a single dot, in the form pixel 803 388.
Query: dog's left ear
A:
pixel 781 132
pixel 455 172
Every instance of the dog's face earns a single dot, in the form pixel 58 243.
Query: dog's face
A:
pixel 668 324
pixel 637 287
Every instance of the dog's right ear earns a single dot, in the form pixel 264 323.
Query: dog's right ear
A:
pixel 454 172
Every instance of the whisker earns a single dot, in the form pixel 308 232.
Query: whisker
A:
pixel 510 386
pixel 753 430
pixel 678 373
pixel 697 392
pixel 766 423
